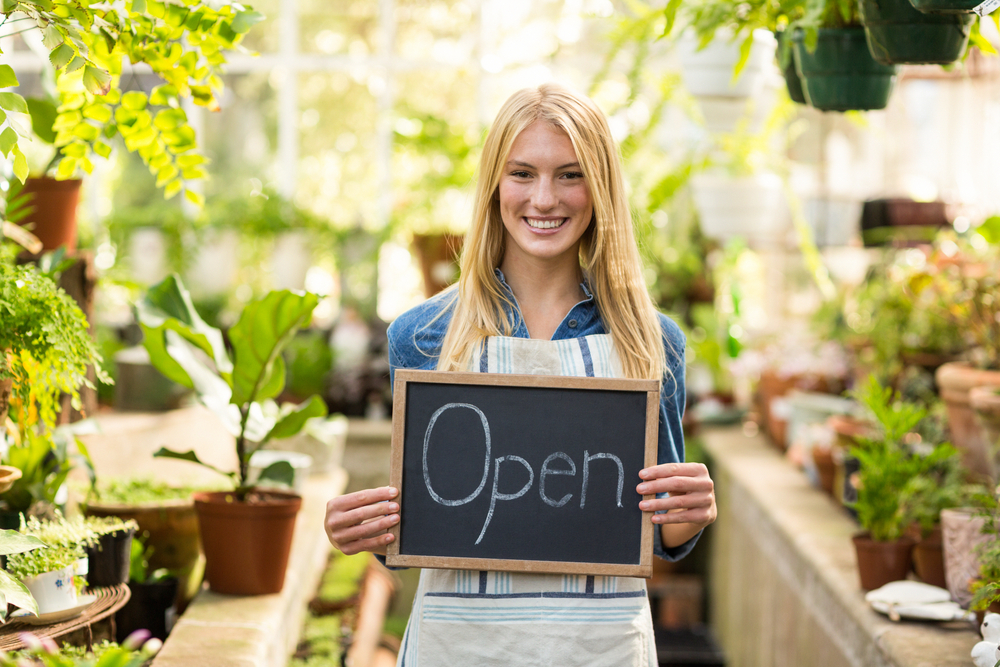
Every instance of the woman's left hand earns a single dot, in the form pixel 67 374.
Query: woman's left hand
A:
pixel 691 489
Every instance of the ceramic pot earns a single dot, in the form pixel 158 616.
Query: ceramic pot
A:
pixel 882 562
pixel 985 401
pixel 171 529
pixel 955 381
pixel 961 535
pixel 898 34
pixel 928 559
pixel 246 543
pixel 54 591
pixel 54 214
pixel 109 558
pixel 151 607
pixel 841 75
pixel 747 207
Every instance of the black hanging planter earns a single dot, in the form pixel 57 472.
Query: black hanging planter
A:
pixel 151 607
pixel 899 34
pixel 109 558
pixel 786 61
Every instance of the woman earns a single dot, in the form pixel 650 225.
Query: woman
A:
pixel 551 283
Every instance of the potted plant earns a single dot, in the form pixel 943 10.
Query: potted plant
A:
pixel 899 34
pixel 12 590
pixel 888 467
pixel 167 525
pixel 838 72
pixel 246 534
pixel 152 605
pixel 55 576
pixel 965 281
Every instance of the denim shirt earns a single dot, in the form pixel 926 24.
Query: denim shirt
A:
pixel 416 336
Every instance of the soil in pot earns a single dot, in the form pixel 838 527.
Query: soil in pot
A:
pixel 246 543
pixel 955 382
pixel 928 559
pixel 882 562
pixel 109 558
pixel 898 34
pixel 151 607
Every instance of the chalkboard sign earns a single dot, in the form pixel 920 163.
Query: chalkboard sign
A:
pixel 529 473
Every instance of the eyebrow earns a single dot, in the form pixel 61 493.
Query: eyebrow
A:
pixel 531 166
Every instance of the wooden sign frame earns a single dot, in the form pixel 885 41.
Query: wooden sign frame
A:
pixel 403 377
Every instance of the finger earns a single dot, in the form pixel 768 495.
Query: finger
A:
pixel 361 515
pixel 375 544
pixel 363 531
pixel 358 499
pixel 674 470
pixel 686 501
pixel 676 485
pixel 702 515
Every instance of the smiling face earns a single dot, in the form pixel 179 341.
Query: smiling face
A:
pixel 545 202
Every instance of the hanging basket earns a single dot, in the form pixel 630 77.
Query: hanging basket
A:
pixel 748 207
pixel 841 75
pixel 793 83
pixel 898 34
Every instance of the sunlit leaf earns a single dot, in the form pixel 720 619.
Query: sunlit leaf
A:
pixel 7 76
pixel 96 81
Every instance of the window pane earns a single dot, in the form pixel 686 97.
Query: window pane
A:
pixel 339 27
pixel 440 30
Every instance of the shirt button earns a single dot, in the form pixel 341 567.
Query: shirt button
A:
pixel 572 324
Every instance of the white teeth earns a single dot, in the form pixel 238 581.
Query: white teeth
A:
pixel 545 224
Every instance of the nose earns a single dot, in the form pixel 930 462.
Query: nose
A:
pixel 543 197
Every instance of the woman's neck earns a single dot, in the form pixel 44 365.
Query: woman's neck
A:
pixel 545 292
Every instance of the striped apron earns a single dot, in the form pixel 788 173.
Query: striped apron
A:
pixel 466 618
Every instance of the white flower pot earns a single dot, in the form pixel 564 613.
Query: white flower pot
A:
pixel 290 261
pixel 723 101
pixel 751 207
pixel 54 591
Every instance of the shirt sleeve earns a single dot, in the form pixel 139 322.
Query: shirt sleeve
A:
pixel 671 433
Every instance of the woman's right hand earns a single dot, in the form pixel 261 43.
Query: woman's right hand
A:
pixel 359 521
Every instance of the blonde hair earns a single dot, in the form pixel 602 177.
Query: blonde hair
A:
pixel 609 255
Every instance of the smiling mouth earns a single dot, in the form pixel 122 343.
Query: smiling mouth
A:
pixel 545 224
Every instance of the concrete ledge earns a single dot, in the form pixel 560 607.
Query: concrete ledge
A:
pixel 258 631
pixel 784 580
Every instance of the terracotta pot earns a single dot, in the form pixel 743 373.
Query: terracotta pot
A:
pixel 770 390
pixel 438 255
pixel 54 216
pixel 882 562
pixel 985 401
pixel 6 386
pixel 826 468
pixel 246 544
pixel 961 535
pixel 955 380
pixel 928 559
pixel 171 528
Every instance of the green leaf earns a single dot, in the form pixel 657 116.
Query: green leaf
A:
pixel 280 472
pixel 13 542
pixel 293 422
pixel 75 64
pixel 139 6
pixel 61 55
pixel 168 305
pixel 102 149
pixel 8 138
pixel 194 197
pixel 16 593
pixel 96 81
pixel 43 117
pixel 7 76
pixel 51 37
pixel 190 456
pixel 3 115
pixel 246 20
pixel 745 48
pixel 173 189
pixel 99 112
pixel 134 100
pixel 990 229
pixel 670 14
pixel 13 102
pixel 263 330
pixel 20 164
